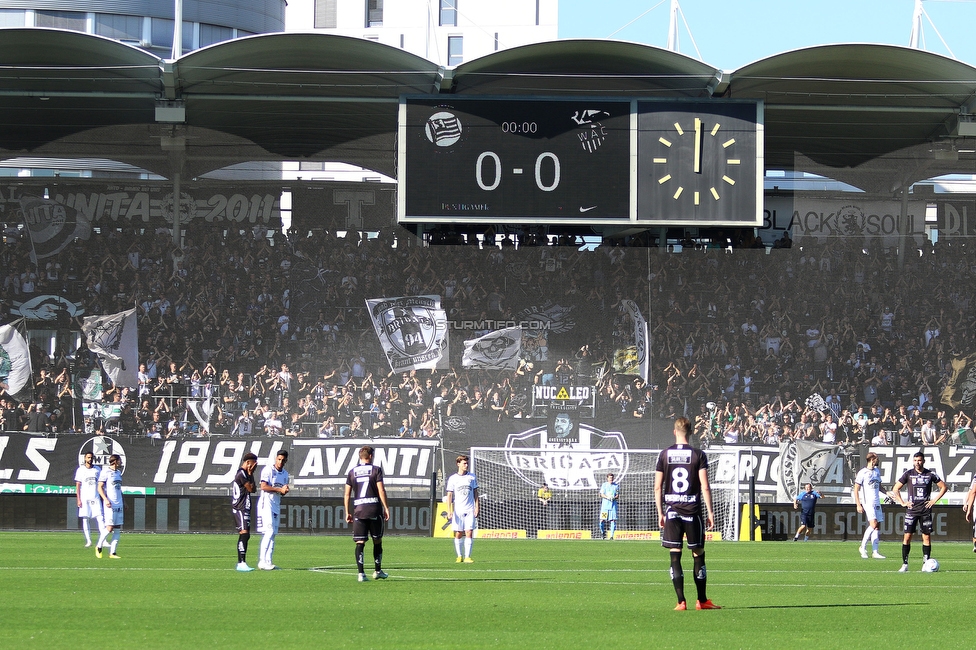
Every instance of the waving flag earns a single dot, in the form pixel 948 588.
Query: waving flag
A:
pixel 15 368
pixel 498 350
pixel 115 339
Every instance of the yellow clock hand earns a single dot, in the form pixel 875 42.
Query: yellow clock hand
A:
pixel 698 145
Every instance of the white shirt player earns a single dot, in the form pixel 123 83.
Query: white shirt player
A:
pixel 112 478
pixel 869 480
pixel 87 477
pixel 463 487
pixel 271 501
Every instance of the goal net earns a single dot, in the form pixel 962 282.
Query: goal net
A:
pixel 509 480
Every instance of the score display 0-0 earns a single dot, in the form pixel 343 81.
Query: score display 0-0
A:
pixel 578 160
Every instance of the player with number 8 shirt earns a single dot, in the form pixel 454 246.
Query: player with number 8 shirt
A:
pixel 681 488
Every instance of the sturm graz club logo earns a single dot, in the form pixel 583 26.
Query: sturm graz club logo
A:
pixel 412 329
pixel 101 447
pixel 581 465
pixel 443 128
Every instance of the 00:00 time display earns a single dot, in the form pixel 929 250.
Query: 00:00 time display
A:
pixel 479 171
pixel 519 127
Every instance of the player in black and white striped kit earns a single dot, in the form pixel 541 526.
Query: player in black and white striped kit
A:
pixel 240 505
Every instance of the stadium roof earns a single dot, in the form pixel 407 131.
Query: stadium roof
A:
pixel 875 116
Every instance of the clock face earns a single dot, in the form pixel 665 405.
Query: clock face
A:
pixel 697 163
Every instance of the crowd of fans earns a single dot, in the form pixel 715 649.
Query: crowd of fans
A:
pixel 838 340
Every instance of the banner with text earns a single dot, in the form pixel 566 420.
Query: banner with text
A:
pixel 208 462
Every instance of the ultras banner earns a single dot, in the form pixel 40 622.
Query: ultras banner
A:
pixel 40 464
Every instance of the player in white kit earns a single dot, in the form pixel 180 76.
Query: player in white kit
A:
pixel 86 494
pixel 867 497
pixel 110 491
pixel 274 485
pixel 462 508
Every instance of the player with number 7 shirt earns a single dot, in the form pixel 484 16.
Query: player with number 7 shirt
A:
pixel 681 488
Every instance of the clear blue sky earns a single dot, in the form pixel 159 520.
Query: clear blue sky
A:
pixel 732 33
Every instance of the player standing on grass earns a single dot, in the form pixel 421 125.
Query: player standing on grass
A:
pixel 462 508
pixel 365 490
pixel 86 494
pixel 681 486
pixel 240 504
pixel 919 480
pixel 867 497
pixel 274 485
pixel 110 491
pixel 609 495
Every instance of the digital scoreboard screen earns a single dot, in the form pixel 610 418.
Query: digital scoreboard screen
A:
pixel 544 160
pixel 586 161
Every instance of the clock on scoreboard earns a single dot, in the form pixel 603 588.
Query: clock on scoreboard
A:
pixel 545 160
pixel 594 161
pixel 700 162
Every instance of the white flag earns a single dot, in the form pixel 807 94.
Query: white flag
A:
pixel 202 410
pixel 15 368
pixel 412 331
pixel 115 339
pixel 498 350
pixel 640 337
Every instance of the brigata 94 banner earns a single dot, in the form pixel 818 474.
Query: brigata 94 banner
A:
pixel 40 464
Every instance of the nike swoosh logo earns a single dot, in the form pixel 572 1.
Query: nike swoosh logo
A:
pixel 592 207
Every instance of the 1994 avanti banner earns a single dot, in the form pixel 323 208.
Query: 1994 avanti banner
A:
pixel 38 464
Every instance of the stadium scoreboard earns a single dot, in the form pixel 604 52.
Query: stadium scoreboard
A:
pixel 583 161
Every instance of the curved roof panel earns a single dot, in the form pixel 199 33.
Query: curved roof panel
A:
pixel 585 66
pixel 842 105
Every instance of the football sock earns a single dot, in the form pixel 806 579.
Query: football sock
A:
pixel 905 550
pixel 101 538
pixel 700 576
pixel 359 558
pixel 875 538
pixel 116 534
pixel 677 576
pixel 926 551
pixel 265 543
pixel 85 529
pixel 242 546
pixel 377 554
pixel 271 545
pixel 866 537
pixel 613 528
pixel 457 546
pixel 467 546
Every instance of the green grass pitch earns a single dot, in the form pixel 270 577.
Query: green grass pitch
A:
pixel 181 591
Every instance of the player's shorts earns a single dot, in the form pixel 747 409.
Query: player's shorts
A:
pixel 873 512
pixel 923 520
pixel 806 518
pixel 89 509
pixel 113 515
pixel 462 522
pixel 242 519
pixel 267 521
pixel 608 514
pixel 677 527
pixel 365 528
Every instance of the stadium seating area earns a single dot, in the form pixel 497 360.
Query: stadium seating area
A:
pixel 756 343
